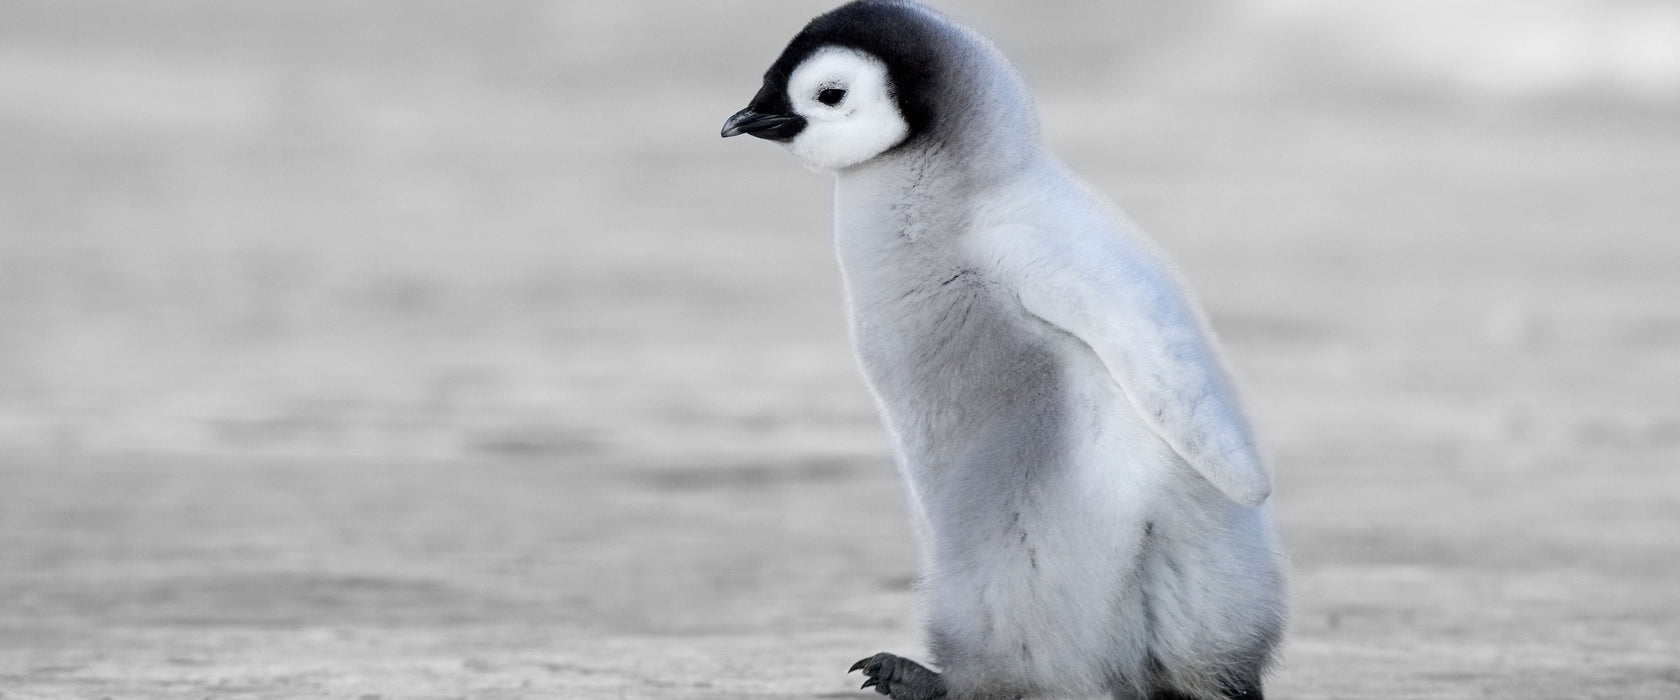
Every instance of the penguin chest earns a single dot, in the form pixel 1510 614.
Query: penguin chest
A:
pixel 952 364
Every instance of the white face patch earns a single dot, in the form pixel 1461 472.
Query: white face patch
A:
pixel 847 102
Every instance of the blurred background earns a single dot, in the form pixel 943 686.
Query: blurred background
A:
pixel 414 349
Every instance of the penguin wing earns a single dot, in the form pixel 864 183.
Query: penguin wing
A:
pixel 1119 297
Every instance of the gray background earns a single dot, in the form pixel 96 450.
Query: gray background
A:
pixel 429 350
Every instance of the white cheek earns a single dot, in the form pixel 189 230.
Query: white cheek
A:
pixel 850 139
pixel 861 127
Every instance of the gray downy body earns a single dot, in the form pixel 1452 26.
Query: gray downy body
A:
pixel 1067 550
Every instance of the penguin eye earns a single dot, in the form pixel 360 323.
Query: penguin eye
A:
pixel 831 96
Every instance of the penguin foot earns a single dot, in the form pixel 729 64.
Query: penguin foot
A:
pixel 899 678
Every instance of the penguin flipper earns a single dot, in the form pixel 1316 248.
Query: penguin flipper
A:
pixel 1117 296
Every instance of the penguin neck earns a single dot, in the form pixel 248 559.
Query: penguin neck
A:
pixel 924 193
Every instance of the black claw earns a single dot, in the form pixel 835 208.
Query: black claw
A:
pixel 898 677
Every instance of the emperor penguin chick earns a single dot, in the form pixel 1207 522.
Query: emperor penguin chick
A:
pixel 1090 502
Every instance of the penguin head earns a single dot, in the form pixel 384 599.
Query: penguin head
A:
pixel 854 84
pixel 841 110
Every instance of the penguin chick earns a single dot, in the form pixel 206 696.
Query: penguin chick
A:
pixel 1089 500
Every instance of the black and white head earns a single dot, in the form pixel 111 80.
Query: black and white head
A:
pixel 865 79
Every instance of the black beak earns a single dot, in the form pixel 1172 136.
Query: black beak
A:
pixel 775 127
